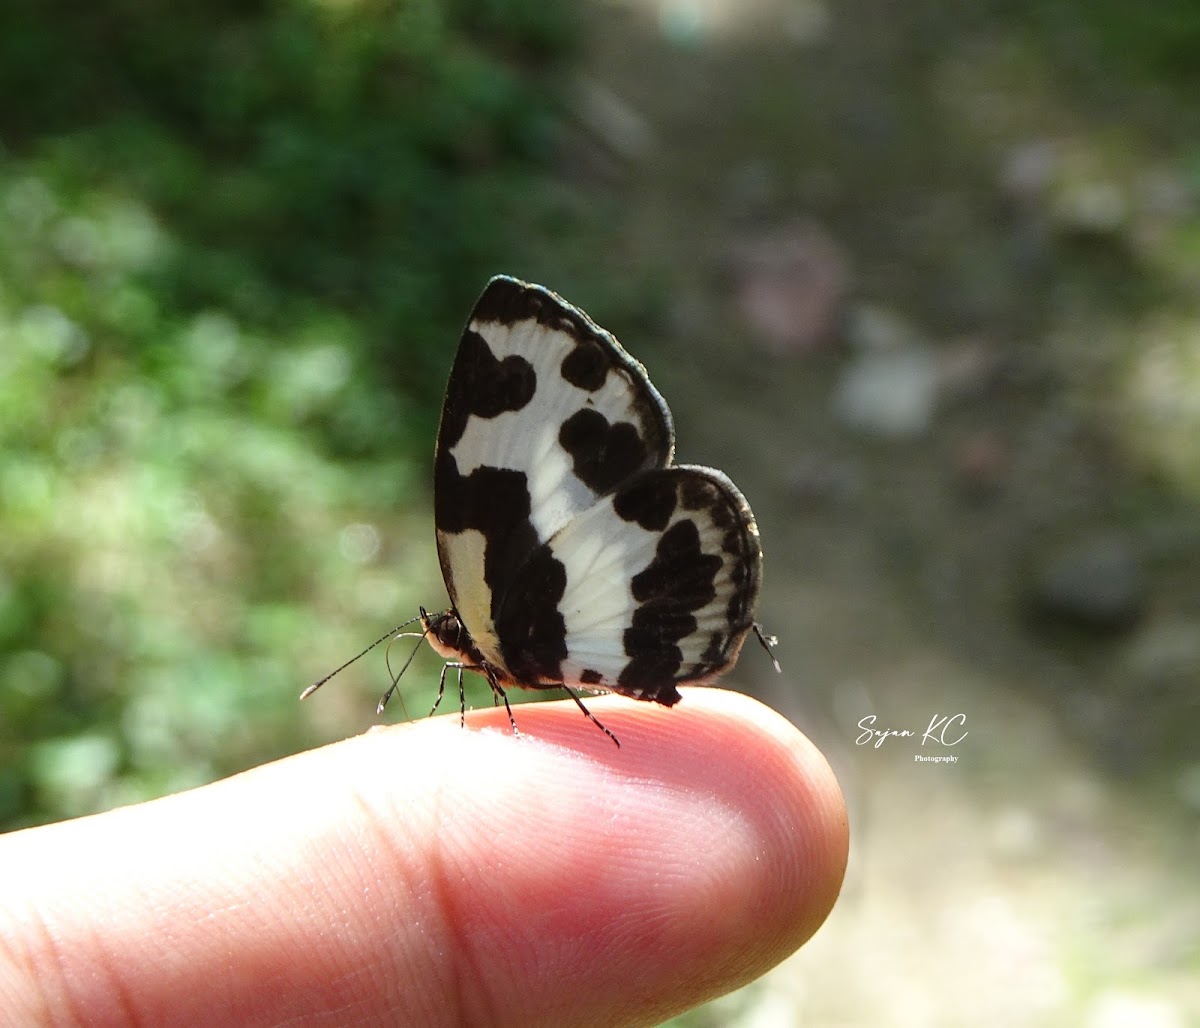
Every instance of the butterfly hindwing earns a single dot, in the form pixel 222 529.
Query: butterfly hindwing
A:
pixel 661 580
pixel 573 551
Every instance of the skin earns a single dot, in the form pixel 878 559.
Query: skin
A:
pixel 423 874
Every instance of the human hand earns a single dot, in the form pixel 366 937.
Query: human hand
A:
pixel 424 875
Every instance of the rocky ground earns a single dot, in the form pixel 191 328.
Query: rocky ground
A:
pixel 929 308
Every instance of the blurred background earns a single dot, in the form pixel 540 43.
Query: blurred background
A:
pixel 923 278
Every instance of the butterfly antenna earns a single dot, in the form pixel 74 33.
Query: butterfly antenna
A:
pixel 383 700
pixel 395 678
pixel 387 635
pixel 769 642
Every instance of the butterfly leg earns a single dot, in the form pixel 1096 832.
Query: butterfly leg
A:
pixel 462 695
pixel 588 714
pixel 441 688
pixel 499 693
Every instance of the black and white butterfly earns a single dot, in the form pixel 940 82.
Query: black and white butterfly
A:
pixel 575 554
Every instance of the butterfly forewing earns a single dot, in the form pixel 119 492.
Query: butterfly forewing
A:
pixel 544 412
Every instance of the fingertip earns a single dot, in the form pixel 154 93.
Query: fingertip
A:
pixel 724 798
pixel 421 873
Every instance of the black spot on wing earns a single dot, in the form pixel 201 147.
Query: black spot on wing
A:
pixel 482 386
pixel 531 629
pixel 648 500
pixel 681 575
pixel 719 500
pixel 590 677
pixel 683 579
pixel 744 575
pixel 714 652
pixel 507 301
pixel 676 583
pixel 740 543
pixel 493 501
pixel 525 580
pixel 697 493
pixel 603 455
pixel 586 366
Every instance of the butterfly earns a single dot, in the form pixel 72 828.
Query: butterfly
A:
pixel 576 555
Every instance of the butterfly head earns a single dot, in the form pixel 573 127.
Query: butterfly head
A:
pixel 449 637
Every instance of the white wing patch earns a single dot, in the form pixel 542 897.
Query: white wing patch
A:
pixel 462 557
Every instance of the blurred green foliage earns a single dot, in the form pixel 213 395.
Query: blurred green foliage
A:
pixel 1155 42
pixel 237 244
